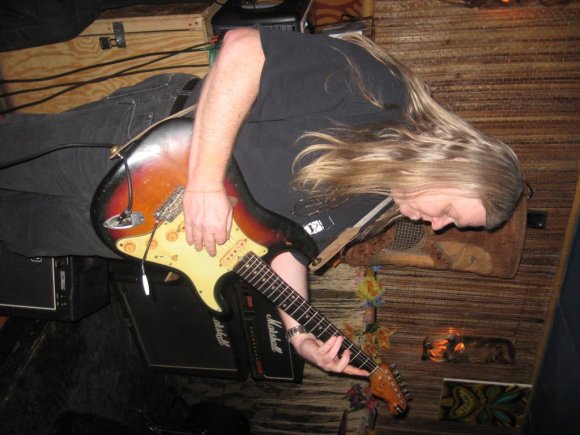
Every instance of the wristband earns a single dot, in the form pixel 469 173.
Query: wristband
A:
pixel 294 331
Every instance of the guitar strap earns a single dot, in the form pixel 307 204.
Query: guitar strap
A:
pixel 348 235
pixel 117 149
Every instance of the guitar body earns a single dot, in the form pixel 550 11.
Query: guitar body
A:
pixel 158 170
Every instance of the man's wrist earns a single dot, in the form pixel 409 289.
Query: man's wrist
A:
pixel 294 331
pixel 205 186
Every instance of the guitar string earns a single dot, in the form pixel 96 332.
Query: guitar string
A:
pixel 325 328
pixel 364 360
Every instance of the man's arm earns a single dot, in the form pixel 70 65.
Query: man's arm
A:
pixel 228 93
pixel 324 355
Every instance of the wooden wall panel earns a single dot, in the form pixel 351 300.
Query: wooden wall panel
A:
pixel 514 73
pixel 64 75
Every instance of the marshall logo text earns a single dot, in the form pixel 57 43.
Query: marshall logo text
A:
pixel 274 330
pixel 220 333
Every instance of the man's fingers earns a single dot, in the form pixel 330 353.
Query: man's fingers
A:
pixel 342 363
pixel 351 370
pixel 198 243
pixel 343 366
pixel 189 234
pixel 209 244
pixel 336 346
pixel 331 347
pixel 327 346
pixel 326 356
pixel 221 237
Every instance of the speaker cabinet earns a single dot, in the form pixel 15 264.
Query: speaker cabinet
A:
pixel 176 332
pixel 52 288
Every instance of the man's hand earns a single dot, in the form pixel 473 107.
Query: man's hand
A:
pixel 208 218
pixel 325 354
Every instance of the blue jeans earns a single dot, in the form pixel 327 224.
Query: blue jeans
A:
pixel 45 202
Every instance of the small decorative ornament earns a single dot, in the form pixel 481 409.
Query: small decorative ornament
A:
pixel 359 399
pixel 369 288
pixel 372 337
pixel 482 402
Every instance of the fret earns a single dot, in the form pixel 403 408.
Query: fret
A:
pixel 306 313
pixel 319 322
pixel 329 326
pixel 282 304
pixel 291 304
pixel 299 307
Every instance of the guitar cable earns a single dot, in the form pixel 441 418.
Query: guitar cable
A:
pixel 144 279
pixel 164 54
pixel 126 218
pixel 135 69
pixel 52 149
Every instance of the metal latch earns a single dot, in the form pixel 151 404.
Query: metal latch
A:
pixel 119 39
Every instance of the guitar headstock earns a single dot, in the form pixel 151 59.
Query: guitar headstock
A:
pixel 386 383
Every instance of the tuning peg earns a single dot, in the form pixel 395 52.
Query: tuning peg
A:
pixel 393 365
pixel 395 372
pixel 402 384
pixel 408 395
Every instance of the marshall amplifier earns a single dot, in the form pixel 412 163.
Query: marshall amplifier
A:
pixel 272 357
pixel 52 288
pixel 175 331
pixel 286 15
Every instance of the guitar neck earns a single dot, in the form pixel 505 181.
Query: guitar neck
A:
pixel 260 275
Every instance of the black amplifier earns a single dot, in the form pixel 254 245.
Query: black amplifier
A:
pixel 286 15
pixel 271 356
pixel 52 288
pixel 177 333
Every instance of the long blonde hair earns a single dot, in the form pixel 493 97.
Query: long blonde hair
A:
pixel 431 148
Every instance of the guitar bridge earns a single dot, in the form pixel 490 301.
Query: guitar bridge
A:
pixel 172 206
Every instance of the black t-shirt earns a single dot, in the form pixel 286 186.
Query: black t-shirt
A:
pixel 306 85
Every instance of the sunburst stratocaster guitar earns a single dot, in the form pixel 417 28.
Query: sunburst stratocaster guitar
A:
pixel 137 212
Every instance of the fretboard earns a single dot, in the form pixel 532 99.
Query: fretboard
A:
pixel 260 275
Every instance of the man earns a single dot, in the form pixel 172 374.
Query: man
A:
pixel 322 129
pixel 228 97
